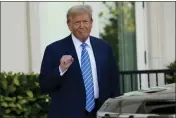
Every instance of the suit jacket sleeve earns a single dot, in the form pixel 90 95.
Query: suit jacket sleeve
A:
pixel 113 74
pixel 49 78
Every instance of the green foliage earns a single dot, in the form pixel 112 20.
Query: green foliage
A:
pixel 111 30
pixel 119 31
pixel 171 77
pixel 21 96
pixel 121 23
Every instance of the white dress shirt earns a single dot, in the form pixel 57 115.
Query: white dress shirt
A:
pixel 77 43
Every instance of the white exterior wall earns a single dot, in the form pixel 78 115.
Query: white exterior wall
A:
pixel 47 23
pixel 35 36
pixel 155 35
pixel 141 42
pixel 161 40
pixel 14 51
pixel 53 23
pixel 161 32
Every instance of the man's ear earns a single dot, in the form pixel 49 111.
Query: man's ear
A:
pixel 69 26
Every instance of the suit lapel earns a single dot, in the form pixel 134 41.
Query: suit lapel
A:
pixel 72 52
pixel 75 67
pixel 97 52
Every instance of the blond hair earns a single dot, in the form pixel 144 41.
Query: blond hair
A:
pixel 79 9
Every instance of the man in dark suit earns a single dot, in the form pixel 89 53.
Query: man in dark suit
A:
pixel 79 72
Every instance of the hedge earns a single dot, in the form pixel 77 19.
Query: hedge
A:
pixel 20 96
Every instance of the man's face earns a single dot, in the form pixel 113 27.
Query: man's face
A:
pixel 80 25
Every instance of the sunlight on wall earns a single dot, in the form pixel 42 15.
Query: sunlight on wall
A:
pixel 53 25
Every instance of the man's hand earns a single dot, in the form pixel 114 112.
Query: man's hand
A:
pixel 65 62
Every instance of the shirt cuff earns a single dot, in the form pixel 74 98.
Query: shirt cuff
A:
pixel 61 73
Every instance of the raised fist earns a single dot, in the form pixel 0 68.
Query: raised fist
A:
pixel 65 62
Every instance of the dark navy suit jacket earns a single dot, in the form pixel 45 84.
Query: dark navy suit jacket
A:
pixel 67 92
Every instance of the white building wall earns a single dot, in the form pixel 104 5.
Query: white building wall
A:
pixel 161 36
pixel 47 23
pixel 155 34
pixel 169 31
pixel 53 22
pixel 141 42
pixel 34 36
pixel 161 32
pixel 14 47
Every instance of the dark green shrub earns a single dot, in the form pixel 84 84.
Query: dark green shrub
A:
pixel 21 96
pixel 171 77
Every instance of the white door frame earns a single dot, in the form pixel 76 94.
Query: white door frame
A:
pixel 141 41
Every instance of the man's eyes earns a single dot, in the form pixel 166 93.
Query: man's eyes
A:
pixel 85 21
pixel 78 22
pixel 82 21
